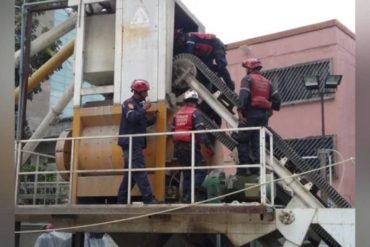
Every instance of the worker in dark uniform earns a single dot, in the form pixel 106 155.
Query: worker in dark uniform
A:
pixel 208 48
pixel 134 121
pixel 257 99
pixel 186 119
pixel 211 50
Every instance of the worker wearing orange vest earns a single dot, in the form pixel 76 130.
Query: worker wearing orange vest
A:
pixel 257 99
pixel 186 119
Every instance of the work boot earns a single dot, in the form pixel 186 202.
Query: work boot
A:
pixel 243 171
pixel 186 198
pixel 198 196
pixel 151 200
pixel 122 201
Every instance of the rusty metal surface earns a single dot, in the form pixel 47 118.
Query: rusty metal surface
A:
pixel 63 154
pixel 205 218
pixel 109 209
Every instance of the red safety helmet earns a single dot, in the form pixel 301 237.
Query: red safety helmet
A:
pixel 252 63
pixel 140 85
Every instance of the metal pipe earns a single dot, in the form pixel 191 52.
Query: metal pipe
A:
pixel 129 173
pixel 17 170
pixel 48 67
pixel 23 70
pixel 43 3
pixel 49 118
pixel 48 38
pixel 36 180
pixel 262 166
pixel 148 169
pixel 27 9
pixel 322 115
pixel 147 134
pixel 71 173
pixel 192 181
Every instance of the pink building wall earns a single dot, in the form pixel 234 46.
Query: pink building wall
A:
pixel 301 45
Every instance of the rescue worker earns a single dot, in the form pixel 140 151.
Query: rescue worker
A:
pixel 208 48
pixel 257 99
pixel 189 118
pixel 134 121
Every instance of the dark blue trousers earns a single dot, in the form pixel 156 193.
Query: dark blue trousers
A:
pixel 249 144
pixel 139 178
pixel 183 155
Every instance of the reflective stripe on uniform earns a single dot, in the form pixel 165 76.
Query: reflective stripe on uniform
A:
pixel 129 113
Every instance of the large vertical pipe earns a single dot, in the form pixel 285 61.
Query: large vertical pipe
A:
pixel 23 70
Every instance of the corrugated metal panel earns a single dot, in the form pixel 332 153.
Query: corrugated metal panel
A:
pixel 289 80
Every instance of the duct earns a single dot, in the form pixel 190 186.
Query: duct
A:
pixel 49 118
pixel 48 38
pixel 47 68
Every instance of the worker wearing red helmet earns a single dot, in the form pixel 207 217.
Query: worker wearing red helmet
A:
pixel 189 118
pixel 134 121
pixel 257 99
pixel 208 48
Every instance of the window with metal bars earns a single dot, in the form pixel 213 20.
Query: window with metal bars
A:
pixel 307 149
pixel 290 84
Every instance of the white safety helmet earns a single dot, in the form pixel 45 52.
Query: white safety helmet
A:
pixel 191 94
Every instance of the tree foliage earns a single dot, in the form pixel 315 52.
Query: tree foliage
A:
pixel 39 59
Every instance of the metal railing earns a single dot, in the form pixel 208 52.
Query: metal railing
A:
pixel 264 135
pixel 38 185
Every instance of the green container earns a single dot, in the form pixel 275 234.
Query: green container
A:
pixel 214 184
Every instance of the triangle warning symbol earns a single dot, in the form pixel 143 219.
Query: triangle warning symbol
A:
pixel 140 17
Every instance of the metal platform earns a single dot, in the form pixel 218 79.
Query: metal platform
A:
pixel 257 220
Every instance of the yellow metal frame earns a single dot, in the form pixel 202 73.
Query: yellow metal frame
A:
pixel 108 115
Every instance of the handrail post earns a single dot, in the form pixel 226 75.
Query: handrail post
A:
pixel 129 169
pixel 36 180
pixel 272 184
pixel 19 146
pixel 192 184
pixel 262 165
pixel 71 171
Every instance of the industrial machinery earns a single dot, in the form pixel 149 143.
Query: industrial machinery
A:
pixel 119 41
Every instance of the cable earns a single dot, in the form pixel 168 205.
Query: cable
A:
pixel 182 206
pixel 340 183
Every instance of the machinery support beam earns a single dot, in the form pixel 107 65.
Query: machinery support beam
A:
pixel 293 224
pixel 305 196
pixel 338 222
pixel 212 101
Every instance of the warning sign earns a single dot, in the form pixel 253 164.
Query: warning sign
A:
pixel 140 17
